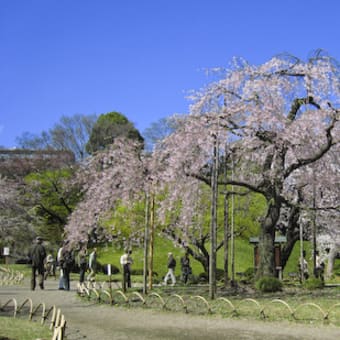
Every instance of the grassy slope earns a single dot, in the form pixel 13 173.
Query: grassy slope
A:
pixel 244 257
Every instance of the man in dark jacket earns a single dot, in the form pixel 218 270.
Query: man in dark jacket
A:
pixel 186 268
pixel 82 263
pixel 66 263
pixel 37 256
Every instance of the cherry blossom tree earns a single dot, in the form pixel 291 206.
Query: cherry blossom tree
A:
pixel 278 119
pixel 323 205
pixel 113 181
pixel 116 174
pixel 16 224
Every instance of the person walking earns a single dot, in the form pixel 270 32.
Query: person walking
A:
pixel 126 262
pixel 49 267
pixel 92 265
pixel 37 255
pixel 171 270
pixel 185 267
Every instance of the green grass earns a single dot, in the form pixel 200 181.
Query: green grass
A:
pixel 294 295
pixel 308 307
pixel 297 305
pixel 244 259
pixel 18 329
pixel 161 249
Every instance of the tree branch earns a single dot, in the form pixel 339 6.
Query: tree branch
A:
pixel 298 102
pixel 52 214
pixel 323 150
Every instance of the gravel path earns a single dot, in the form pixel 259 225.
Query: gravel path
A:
pixel 92 321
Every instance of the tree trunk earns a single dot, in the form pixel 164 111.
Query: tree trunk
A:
pixel 266 249
pixel 331 261
pixel 202 256
pixel 292 234
pixel 288 248
pixel 266 244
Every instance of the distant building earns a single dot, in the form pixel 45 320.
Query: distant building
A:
pixel 20 162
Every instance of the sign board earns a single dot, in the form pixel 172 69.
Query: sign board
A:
pixel 6 251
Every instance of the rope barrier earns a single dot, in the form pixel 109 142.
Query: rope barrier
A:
pixel 221 305
pixel 57 322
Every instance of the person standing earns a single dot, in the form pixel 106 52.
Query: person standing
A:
pixel 66 263
pixel 319 266
pixel 126 262
pixel 59 261
pixel 92 265
pixel 37 255
pixel 171 270
pixel 185 267
pixel 82 263
pixel 303 267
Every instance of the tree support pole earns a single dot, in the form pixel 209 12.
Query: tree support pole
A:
pixel 213 227
pixel 152 236
pixel 146 243
pixel 226 221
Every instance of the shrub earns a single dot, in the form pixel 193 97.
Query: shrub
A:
pixel 219 274
pixel 194 279
pixel 313 283
pixel 249 274
pixel 268 284
pixel 140 272
pixel 103 269
pixel 203 277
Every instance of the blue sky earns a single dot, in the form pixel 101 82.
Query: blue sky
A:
pixel 139 57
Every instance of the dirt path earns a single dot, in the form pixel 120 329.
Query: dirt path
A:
pixel 93 321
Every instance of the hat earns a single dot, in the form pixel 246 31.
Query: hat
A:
pixel 169 254
pixel 39 238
